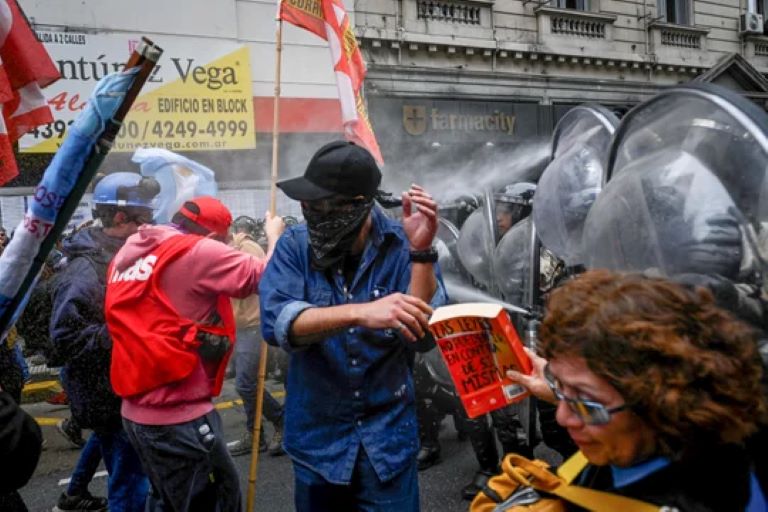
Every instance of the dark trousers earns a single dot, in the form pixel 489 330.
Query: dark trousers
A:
pixel 483 443
pixel 12 502
pixel 188 465
pixel 127 486
pixel 365 493
pixel 86 466
pixel 247 354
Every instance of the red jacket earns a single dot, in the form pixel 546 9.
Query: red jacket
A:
pixel 152 344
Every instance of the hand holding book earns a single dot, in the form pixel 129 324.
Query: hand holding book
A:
pixel 535 383
pixel 479 345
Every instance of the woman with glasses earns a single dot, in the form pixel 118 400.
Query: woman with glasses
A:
pixel 657 386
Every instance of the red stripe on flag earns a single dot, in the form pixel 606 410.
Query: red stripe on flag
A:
pixel 299 115
pixel 28 109
pixel 306 14
pixel 25 67
pixel 8 168
pixel 24 57
pixel 349 67
pixel 6 92
pixel 348 63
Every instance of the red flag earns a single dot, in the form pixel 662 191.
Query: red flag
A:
pixel 25 68
pixel 24 57
pixel 307 14
pixel 27 109
pixel 348 63
pixel 8 169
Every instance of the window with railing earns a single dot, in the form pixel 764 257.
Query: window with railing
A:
pixel 678 43
pixel 675 12
pixel 761 48
pixel 455 12
pixel 559 28
pixel 581 5
pixel 762 9
pixel 569 26
pixel 680 39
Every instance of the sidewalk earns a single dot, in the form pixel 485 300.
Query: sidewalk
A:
pixel 43 383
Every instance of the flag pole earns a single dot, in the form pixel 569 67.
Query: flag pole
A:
pixel 272 209
pixel 276 118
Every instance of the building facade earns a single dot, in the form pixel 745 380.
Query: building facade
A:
pixel 452 84
pixel 468 71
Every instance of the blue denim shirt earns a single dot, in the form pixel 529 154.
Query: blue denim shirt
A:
pixel 355 387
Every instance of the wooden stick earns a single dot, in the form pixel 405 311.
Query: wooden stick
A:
pixel 272 209
pixel 276 122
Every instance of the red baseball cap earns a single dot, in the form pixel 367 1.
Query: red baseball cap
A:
pixel 211 214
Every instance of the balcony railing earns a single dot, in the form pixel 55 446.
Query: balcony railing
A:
pixel 570 26
pixel 680 39
pixel 452 12
pixel 677 38
pixel 563 30
pixel 761 48
pixel 756 51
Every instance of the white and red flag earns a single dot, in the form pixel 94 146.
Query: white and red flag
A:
pixel 329 20
pixel 25 68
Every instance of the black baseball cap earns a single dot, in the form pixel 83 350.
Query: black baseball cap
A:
pixel 338 168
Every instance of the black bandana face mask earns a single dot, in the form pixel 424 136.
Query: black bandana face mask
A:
pixel 333 226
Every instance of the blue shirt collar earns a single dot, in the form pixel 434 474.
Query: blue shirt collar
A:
pixel 625 476
pixel 381 226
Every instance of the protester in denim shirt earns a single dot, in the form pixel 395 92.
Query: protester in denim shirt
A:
pixel 348 295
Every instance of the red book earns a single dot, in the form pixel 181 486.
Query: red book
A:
pixel 479 344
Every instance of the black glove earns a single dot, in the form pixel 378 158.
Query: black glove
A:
pixel 719 251
pixel 212 346
pixel 741 299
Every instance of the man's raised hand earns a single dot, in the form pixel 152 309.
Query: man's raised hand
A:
pixel 420 225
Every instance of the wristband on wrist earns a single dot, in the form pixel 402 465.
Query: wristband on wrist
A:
pixel 425 256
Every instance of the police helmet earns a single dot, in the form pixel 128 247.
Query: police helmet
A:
pixel 517 193
pixel 247 225
pixel 126 189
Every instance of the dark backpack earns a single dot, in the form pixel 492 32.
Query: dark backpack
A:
pixel 34 323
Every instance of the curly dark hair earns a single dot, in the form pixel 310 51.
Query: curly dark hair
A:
pixel 689 369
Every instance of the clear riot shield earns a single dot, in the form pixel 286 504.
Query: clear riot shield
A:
pixel 475 245
pixel 572 180
pixel 686 182
pixel 446 243
pixel 438 370
pixel 511 260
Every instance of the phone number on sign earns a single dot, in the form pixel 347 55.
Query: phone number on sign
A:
pixel 158 129
pixel 182 129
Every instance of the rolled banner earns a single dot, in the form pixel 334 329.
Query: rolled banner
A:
pixel 65 180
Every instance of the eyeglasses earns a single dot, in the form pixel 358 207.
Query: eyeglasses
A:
pixel 590 412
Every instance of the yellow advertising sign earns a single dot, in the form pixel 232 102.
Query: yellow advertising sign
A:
pixel 189 105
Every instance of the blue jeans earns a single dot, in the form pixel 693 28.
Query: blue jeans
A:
pixel 364 493
pixel 189 465
pixel 247 354
pixel 89 460
pixel 128 485
pixel 19 355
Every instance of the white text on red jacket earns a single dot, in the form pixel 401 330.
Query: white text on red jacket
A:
pixel 139 271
